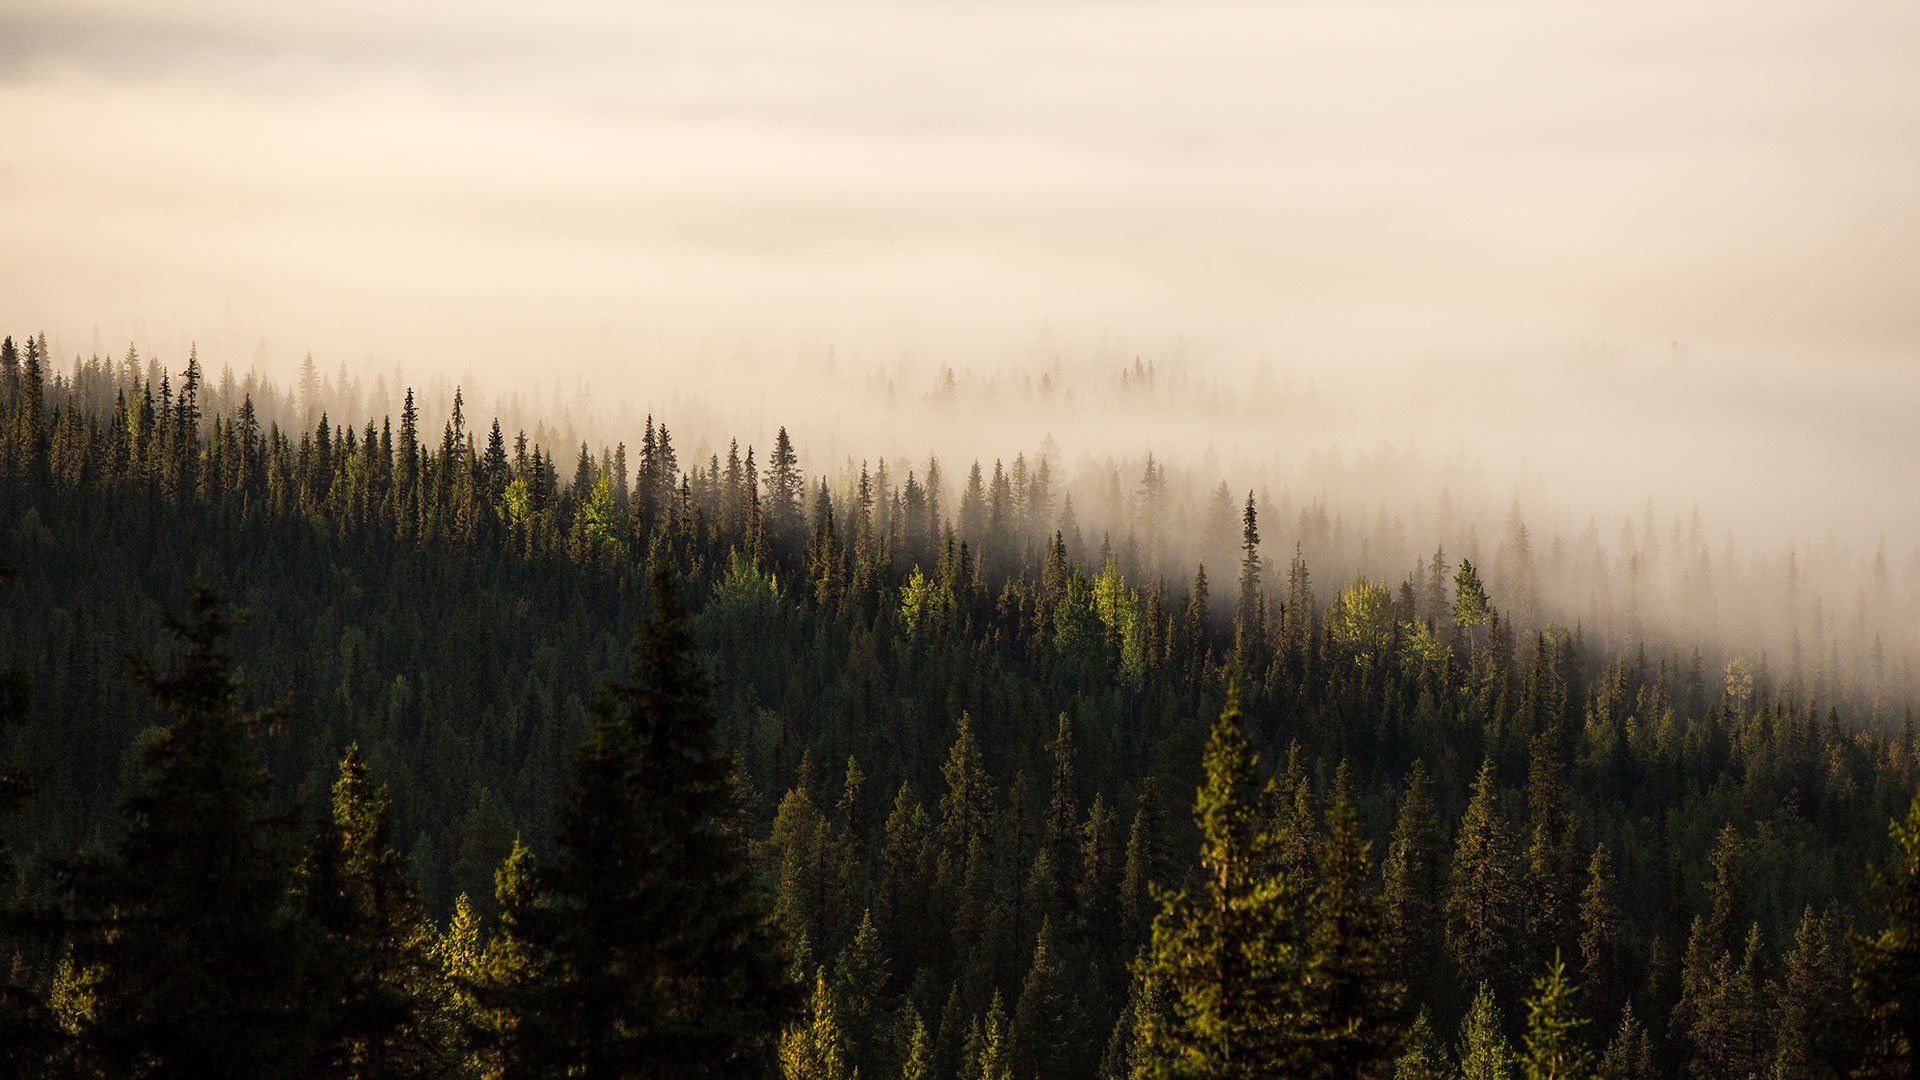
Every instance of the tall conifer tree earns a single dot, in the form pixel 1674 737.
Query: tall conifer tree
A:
pixel 656 954
pixel 1228 953
pixel 201 960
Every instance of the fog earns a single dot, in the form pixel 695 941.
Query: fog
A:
pixel 1578 257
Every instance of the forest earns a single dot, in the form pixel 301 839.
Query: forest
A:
pixel 336 745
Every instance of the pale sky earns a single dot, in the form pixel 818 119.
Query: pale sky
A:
pixel 681 198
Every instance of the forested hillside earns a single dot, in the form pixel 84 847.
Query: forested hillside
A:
pixel 915 786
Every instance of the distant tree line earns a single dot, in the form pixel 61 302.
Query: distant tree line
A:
pixel 905 794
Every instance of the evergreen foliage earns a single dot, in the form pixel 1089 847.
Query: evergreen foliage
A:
pixel 1014 699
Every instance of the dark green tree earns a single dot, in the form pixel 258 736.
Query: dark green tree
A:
pixel 1351 1000
pixel 1044 1034
pixel 1413 879
pixel 655 954
pixel 1630 1055
pixel 27 1033
pixel 1481 893
pixel 1599 930
pixel 201 963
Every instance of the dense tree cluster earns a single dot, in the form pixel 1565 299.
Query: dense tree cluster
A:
pixel 905 794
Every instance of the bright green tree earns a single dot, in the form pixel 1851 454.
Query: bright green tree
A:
pixel 1422 1056
pixel 1484 1051
pixel 815 1048
pixel 1554 1047
pixel 1228 953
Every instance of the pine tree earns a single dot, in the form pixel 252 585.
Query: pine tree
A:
pixel 1351 1002
pixel 814 1049
pixel 1484 1051
pixel 1723 892
pixel 653 950
pixel 1480 897
pixel 1554 1048
pixel 917 1061
pixel 991 1057
pixel 1630 1055
pixel 860 984
pixel 1888 962
pixel 200 958
pixel 508 968
pixel 1062 826
pixel 1814 1026
pixel 967 807
pixel 1229 958
pixel 1248 612
pixel 782 508
pixel 1423 1056
pixel 378 939
pixel 1043 1036
pixel 908 863
pixel 460 958
pixel 1147 863
pixel 1549 860
pixel 1412 879
pixel 1599 928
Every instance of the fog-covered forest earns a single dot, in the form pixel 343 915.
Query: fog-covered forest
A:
pixel 1068 540
pixel 1044 764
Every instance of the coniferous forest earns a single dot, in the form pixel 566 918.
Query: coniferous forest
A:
pixel 343 746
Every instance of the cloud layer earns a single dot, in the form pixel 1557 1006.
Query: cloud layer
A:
pixel 1430 207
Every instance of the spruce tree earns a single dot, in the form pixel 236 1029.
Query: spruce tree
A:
pixel 1814 1026
pixel 916 1061
pixel 991 1057
pixel 1422 1057
pixel 860 984
pixel 813 1049
pixel 654 953
pixel 782 509
pixel 378 942
pixel 1599 930
pixel 201 962
pixel 1484 1051
pixel 1228 954
pixel 1887 968
pixel 1550 861
pixel 1554 1047
pixel 1249 611
pixel 1043 1035
pixel 1481 896
pixel 1413 877
pixel 1351 1000
pixel 1630 1055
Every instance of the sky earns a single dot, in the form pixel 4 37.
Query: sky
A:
pixel 1639 248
